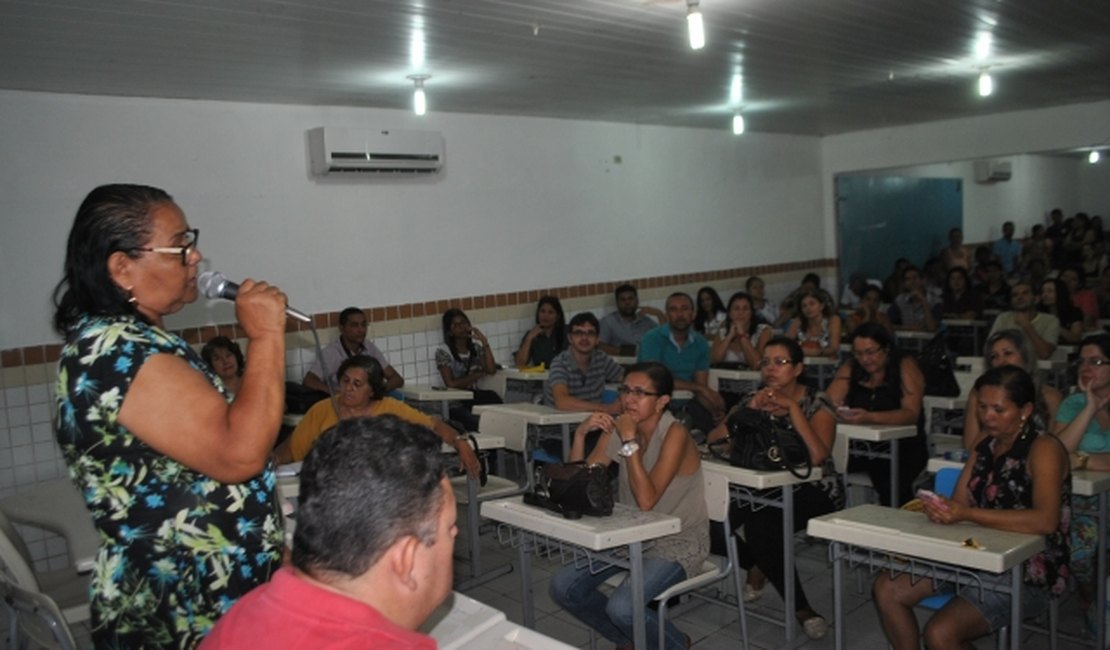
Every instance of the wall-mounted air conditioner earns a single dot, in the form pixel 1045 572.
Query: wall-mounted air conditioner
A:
pixel 992 171
pixel 344 151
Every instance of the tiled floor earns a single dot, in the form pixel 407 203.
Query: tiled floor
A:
pixel 716 628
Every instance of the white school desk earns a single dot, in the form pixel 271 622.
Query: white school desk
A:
pixel 1086 483
pixel 937 551
pixel 462 623
pixel 540 415
pixel 418 393
pixel 878 433
pixel 591 541
pixel 623 361
pixel 952 408
pixel 913 339
pixel 527 383
pixel 977 329
pixel 774 489
pixel 826 368
pixel 735 381
pixel 57 506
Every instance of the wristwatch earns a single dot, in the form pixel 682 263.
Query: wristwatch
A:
pixel 628 448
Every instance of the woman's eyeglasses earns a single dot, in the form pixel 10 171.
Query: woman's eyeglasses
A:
pixel 189 236
pixel 1093 362
pixel 635 392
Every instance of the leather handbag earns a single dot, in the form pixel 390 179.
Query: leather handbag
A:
pixel 760 441
pixel 573 489
pixel 938 369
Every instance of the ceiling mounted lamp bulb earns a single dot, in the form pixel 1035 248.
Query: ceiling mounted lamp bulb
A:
pixel 986 85
pixel 737 124
pixel 695 25
pixel 419 99
pixel 1094 156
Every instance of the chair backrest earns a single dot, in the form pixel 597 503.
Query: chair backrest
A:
pixel 945 482
pixel 36 616
pixel 716 496
pixel 840 453
pixel 509 426
pixel 14 556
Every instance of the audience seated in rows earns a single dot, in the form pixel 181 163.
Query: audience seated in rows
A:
pixel 912 310
pixel 711 316
pixel 816 326
pixel 547 338
pixel 1042 330
pixel 622 329
pixel 351 343
pixel 464 358
pixel 576 381
pixel 742 340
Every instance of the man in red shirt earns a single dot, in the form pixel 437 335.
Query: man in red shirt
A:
pixel 371 552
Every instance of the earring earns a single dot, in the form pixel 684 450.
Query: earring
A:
pixel 131 299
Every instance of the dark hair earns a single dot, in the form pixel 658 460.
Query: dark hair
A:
pixel 756 319
pixel 374 374
pixel 801 294
pixel 1064 309
pixel 624 288
pixel 448 317
pixel 365 484
pixel 662 381
pixel 682 294
pixel 560 329
pixel 585 317
pixel 881 335
pixel 1017 383
pixel 870 288
pixel 223 343
pixel 1080 274
pixel 793 348
pixel 701 317
pixel 1100 340
pixel 752 280
pixel 112 218
pixel 812 277
pixel 346 314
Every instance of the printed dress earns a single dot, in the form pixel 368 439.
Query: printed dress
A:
pixel 177 548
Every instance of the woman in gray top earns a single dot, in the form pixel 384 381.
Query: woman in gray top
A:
pixel 660 471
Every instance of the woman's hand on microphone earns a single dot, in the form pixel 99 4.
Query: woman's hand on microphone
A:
pixel 260 309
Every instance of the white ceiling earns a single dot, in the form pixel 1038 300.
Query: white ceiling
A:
pixel 809 66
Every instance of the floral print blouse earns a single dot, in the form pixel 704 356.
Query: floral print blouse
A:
pixel 177 548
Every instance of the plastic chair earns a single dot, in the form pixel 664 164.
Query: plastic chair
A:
pixel 717 500
pixel 36 616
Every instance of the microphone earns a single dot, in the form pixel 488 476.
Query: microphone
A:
pixel 213 285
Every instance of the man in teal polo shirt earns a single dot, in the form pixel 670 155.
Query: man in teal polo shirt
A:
pixel 686 355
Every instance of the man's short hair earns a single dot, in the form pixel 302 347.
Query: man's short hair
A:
pixel 624 288
pixel 585 317
pixel 366 483
pixel 346 314
pixel 681 294
pixel 750 281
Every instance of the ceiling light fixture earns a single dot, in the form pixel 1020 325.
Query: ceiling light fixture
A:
pixel 737 124
pixel 983 45
pixel 695 25
pixel 419 100
pixel 986 84
pixel 1094 156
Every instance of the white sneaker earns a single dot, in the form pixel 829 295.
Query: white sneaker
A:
pixel 751 594
pixel 816 627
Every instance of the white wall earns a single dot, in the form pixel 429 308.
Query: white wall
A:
pixel 1004 135
pixel 524 203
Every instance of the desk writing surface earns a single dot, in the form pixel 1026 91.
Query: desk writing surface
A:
pixel 426 393
pixel 1089 482
pixel 915 335
pixel 624 526
pixel 459 620
pixel 535 413
pixel 755 479
pixel 950 403
pixel 507 635
pixel 960 322
pixel 911 533
pixel 876 432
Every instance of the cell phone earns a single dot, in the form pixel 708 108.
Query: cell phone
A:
pixel 923 494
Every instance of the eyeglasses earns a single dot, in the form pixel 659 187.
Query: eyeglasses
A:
pixel 767 363
pixel 1094 362
pixel 190 236
pixel 863 354
pixel 635 392
pixel 578 332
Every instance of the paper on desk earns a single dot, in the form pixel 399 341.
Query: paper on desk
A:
pixel 534 369
pixel 291 469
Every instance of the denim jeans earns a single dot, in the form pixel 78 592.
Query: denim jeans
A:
pixel 576 590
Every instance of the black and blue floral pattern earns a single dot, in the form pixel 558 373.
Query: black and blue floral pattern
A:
pixel 177 548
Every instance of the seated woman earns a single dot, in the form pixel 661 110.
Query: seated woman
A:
pixel 810 413
pixel 225 358
pixel 1083 424
pixel 815 326
pixel 958 299
pixel 1016 480
pixel 912 310
pixel 660 470
pixel 362 395
pixel 1076 280
pixel 711 316
pixel 547 339
pixel 880 385
pixel 768 310
pixel 742 341
pixel 463 359
pixel 1055 299
pixel 1011 348
pixel 869 309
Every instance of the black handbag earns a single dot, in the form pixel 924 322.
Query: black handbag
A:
pixel 760 441
pixel 573 490
pixel 938 369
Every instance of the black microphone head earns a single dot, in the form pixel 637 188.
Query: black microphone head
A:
pixel 213 285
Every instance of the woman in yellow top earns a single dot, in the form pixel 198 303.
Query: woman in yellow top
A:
pixel 362 394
